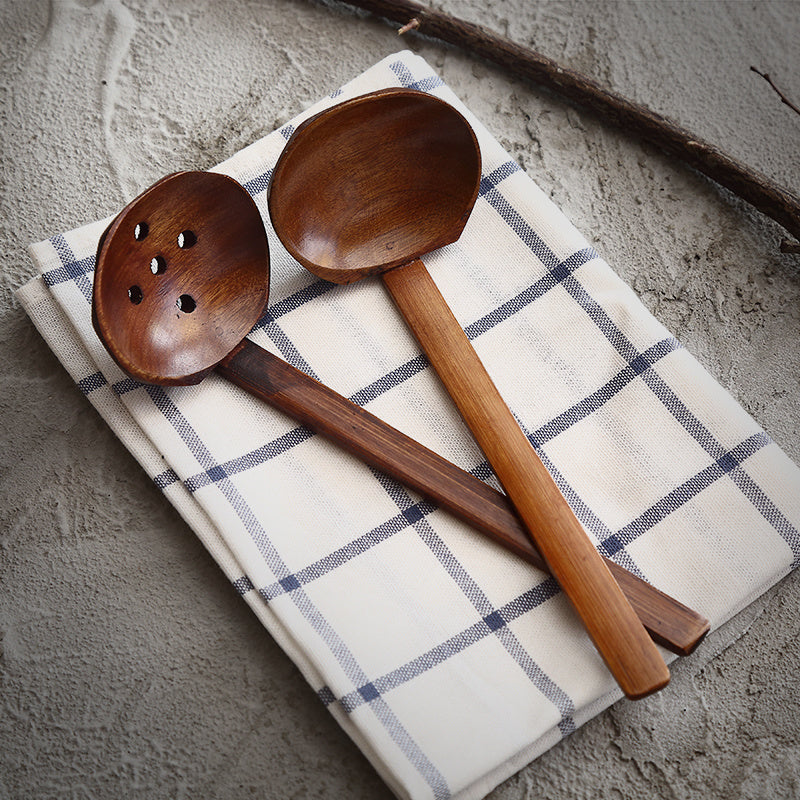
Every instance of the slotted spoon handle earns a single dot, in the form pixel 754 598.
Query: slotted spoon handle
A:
pixel 572 558
pixel 669 622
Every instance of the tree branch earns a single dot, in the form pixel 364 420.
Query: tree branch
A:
pixel 758 190
pixel 768 79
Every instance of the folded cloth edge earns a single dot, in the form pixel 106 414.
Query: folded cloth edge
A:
pixel 58 333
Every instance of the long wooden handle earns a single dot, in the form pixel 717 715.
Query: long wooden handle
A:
pixel 670 623
pixel 573 560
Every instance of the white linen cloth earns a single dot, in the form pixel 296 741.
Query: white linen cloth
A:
pixel 450 662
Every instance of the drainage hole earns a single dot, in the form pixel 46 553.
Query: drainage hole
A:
pixel 158 266
pixel 186 303
pixel 140 231
pixel 186 239
pixel 135 295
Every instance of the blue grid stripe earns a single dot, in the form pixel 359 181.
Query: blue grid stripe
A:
pixel 619 341
pixel 585 514
pixel 341 555
pixel 72 268
pixel 683 415
pixel 250 460
pixel 166 478
pixel 497 176
pixel 269 324
pixel 407 79
pixel 288 349
pixel 771 513
pixel 126 385
pixel 294 301
pixel 92 383
pixel 725 464
pixel 593 402
pixel 520 226
pixel 390 380
pixel 481 603
pixel 326 695
pixel 561 271
pixel 243 585
pixel 258 184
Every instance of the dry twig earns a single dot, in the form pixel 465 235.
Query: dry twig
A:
pixel 788 246
pixel 783 97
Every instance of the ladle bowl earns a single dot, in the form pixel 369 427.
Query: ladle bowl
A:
pixel 371 186
pixel 340 212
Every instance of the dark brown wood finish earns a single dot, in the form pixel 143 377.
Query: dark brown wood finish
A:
pixel 669 622
pixel 333 199
pixel 372 185
pixel 180 277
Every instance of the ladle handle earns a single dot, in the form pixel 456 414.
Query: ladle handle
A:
pixel 572 558
pixel 670 623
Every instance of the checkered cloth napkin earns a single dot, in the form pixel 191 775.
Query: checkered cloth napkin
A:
pixel 450 662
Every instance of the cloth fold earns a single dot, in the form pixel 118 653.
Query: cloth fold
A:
pixel 450 662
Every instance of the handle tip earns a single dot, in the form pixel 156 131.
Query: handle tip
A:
pixel 640 690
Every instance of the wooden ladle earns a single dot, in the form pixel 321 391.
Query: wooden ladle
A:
pixel 182 275
pixel 370 186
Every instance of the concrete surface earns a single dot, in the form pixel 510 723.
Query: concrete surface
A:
pixel 112 687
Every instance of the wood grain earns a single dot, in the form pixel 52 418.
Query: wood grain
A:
pixel 182 275
pixel 571 557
